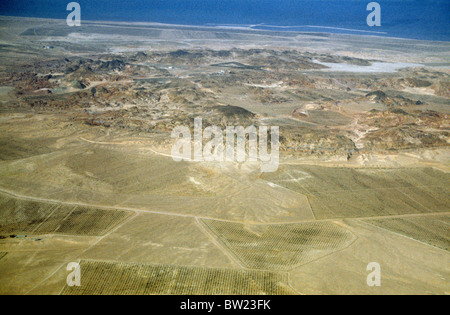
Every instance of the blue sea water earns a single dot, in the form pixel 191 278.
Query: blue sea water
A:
pixel 416 19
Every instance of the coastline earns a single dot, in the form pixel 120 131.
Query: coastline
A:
pixel 244 27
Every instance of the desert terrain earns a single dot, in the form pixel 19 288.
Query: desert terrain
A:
pixel 87 176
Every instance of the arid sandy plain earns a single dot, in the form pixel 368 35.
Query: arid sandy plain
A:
pixel 86 173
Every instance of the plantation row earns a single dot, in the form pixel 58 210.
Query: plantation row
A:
pixel 280 247
pixel 129 278
pixel 23 216
pixel 356 193
pixel 432 230
pixel 316 179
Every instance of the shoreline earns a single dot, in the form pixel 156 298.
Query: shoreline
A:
pixel 244 27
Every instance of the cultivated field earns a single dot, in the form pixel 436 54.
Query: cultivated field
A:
pixel 35 217
pixel 121 278
pixel 280 247
pixel 347 192
pixel 433 230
